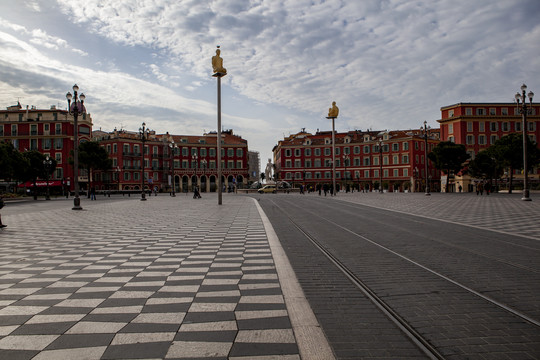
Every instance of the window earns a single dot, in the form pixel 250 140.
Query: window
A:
pixel 317 162
pixel 59 173
pixel 451 113
pixel 356 150
pixel 185 151
pixel 366 173
pixel 405 159
pixel 505 126
pixel 307 163
pixel 58 129
pixel 58 158
pixel 327 174
pixel 493 126
pixel 126 176
pixel 298 175
pixel 136 176
pixel 347 150
pixel 13 129
pixel 366 149
pixel 136 150
pixel 203 152
pixel 46 143
pixel 385 160
pixel 375 160
pixel 357 162
pixel 480 111
pixel 493 139
pixel 405 146
pixel 297 152
pixel 297 163
pixel 385 172
pixel 327 151
pixel 531 126
pixel 308 175
pixel 33 129
pixel 504 111
pixel 395 159
pixel 239 164
pixel 212 152
pixel 287 152
pixel 317 175
pixel 517 125
pixel 327 162
pixel 405 172
pixel 396 172
pixel 468 111
pixel 470 139
pixel 58 144
pixel 451 139
pixel 450 128
pixel 288 163
pixel 492 111
pixel 395 147
pixel 481 140
pixel 307 152
pixel 337 151
pixel 184 164
pixel 154 150
pixel 317 152
pixel 375 173
pixel 115 148
pixel 1 130
pixel 469 126
pixel 366 161
pixel 482 126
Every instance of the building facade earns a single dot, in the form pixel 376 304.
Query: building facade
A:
pixel 183 160
pixel 364 159
pixel 480 125
pixel 254 166
pixel 49 131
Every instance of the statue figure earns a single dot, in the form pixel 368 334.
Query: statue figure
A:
pixel 333 111
pixel 268 171
pixel 217 63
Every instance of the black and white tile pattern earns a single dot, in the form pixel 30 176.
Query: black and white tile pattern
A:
pixel 169 278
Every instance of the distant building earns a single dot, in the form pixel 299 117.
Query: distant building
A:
pixel 306 158
pixel 479 125
pixel 192 162
pixel 254 166
pixel 49 131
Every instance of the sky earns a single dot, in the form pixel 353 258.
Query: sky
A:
pixel 388 64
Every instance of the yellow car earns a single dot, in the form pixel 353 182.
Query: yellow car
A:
pixel 267 189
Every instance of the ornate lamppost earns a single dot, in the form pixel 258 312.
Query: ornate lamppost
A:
pixel 76 109
pixel 219 72
pixel 117 171
pixel 143 133
pixel 172 147
pixel 380 142
pixel 203 166
pixel 426 158
pixel 47 164
pixel 524 110
pixel 333 113
pixel 345 161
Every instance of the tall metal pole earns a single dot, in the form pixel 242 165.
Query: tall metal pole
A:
pixel 220 194
pixel 76 199
pixel 380 167
pixel 142 131
pixel 333 158
pixel 524 112
pixel 426 159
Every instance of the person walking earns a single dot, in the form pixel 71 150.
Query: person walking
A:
pixel 93 193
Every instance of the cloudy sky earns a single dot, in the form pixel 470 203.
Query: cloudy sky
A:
pixel 389 64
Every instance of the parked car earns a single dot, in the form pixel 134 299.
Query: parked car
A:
pixel 267 189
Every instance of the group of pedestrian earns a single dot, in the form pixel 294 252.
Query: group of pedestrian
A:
pixel 481 187
pixel 196 192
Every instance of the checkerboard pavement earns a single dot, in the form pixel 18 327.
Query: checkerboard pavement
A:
pixel 172 278
pixel 505 213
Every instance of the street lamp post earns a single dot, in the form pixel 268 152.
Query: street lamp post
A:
pixel 117 171
pixel 426 158
pixel 380 142
pixel 333 113
pixel 203 166
pixel 47 164
pixel 345 160
pixel 524 110
pixel 76 111
pixel 143 133
pixel 172 147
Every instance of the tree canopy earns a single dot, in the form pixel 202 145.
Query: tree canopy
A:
pixel 449 157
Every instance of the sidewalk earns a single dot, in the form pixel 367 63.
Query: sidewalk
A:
pixel 173 278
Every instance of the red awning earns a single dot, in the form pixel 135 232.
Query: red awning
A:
pixel 41 183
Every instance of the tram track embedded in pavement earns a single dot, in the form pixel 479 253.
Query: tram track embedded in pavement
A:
pixel 406 328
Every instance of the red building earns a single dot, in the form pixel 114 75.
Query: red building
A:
pixel 49 131
pixel 189 160
pixel 479 125
pixel 360 160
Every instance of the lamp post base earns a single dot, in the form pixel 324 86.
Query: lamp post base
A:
pixel 526 196
pixel 143 197
pixel 76 203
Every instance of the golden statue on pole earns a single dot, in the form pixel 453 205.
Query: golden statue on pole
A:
pixel 333 112
pixel 217 63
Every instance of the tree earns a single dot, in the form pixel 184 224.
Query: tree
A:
pixel 485 165
pixel 12 163
pixel 93 157
pixel 508 151
pixel 448 157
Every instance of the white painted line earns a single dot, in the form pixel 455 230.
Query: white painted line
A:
pixel 311 340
